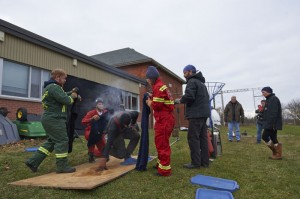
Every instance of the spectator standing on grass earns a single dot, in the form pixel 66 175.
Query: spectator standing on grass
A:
pixel 234 115
pixel 196 99
pixel 259 120
pixel 272 121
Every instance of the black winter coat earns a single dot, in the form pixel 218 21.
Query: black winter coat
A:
pixel 196 97
pixel 272 113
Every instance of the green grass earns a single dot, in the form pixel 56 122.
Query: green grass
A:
pixel 246 162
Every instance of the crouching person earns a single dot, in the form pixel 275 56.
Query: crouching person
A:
pixel 120 127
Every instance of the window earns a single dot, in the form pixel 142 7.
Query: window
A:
pixel 35 83
pixel 21 80
pixel 130 101
pixel 134 101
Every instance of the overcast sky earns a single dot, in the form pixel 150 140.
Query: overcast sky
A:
pixel 243 43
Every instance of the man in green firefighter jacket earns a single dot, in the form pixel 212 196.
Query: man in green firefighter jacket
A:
pixel 54 102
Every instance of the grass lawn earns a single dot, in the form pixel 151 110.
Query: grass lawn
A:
pixel 246 162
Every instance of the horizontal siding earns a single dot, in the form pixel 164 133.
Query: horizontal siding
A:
pixel 18 50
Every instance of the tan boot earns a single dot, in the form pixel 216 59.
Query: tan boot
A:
pixel 278 152
pixel 273 150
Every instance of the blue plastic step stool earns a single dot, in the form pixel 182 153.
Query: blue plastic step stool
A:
pixel 215 183
pixel 213 194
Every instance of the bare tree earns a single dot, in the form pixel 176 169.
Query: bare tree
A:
pixel 293 108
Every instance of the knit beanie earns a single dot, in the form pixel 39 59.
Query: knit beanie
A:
pixel 152 73
pixel 189 68
pixel 267 89
pixel 125 118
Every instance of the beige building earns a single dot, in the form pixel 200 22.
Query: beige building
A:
pixel 26 60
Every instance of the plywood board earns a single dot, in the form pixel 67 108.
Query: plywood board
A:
pixel 85 176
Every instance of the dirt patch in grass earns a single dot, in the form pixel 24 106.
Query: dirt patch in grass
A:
pixel 20 145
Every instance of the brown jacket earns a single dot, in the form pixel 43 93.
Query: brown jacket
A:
pixel 239 112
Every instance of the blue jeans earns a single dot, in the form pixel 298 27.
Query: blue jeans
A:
pixel 258 132
pixel 235 125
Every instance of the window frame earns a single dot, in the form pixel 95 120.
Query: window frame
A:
pixel 28 98
pixel 127 101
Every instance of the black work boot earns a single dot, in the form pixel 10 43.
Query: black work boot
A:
pixel 32 167
pixel 91 157
pixel 62 166
pixel 191 166
pixel 34 162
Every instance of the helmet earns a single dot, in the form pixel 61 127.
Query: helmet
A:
pixel 99 100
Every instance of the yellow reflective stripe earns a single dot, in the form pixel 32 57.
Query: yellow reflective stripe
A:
pixel 43 150
pixel 63 109
pixel 72 100
pixel 156 99
pixel 169 102
pixel 61 155
pixel 164 167
pixel 162 100
pixel 43 97
pixel 164 87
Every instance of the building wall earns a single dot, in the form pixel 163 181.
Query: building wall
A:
pixel 16 49
pixel 13 105
pixel 22 51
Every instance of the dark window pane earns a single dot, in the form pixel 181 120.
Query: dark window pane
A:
pixel 15 79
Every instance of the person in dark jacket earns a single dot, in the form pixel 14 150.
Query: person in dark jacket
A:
pixel 55 102
pixel 121 126
pixel 272 121
pixel 259 120
pixel 196 98
pixel 233 115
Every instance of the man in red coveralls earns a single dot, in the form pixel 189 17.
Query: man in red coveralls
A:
pixel 94 115
pixel 162 104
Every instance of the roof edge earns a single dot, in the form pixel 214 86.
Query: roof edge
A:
pixel 44 42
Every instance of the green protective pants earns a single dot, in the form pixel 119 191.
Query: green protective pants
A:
pixel 57 140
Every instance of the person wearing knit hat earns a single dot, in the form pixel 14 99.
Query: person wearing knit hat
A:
pixel 272 121
pixel 121 126
pixel 162 104
pixel 267 89
pixel 189 68
pixel 197 111
pixel 152 73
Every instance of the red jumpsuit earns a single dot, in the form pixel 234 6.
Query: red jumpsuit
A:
pixel 87 122
pixel 163 106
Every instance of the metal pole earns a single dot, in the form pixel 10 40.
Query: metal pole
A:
pixel 254 99
pixel 223 108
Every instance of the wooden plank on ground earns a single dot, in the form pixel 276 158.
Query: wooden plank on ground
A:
pixel 85 176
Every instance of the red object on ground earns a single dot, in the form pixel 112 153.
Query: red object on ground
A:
pixel 210 145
